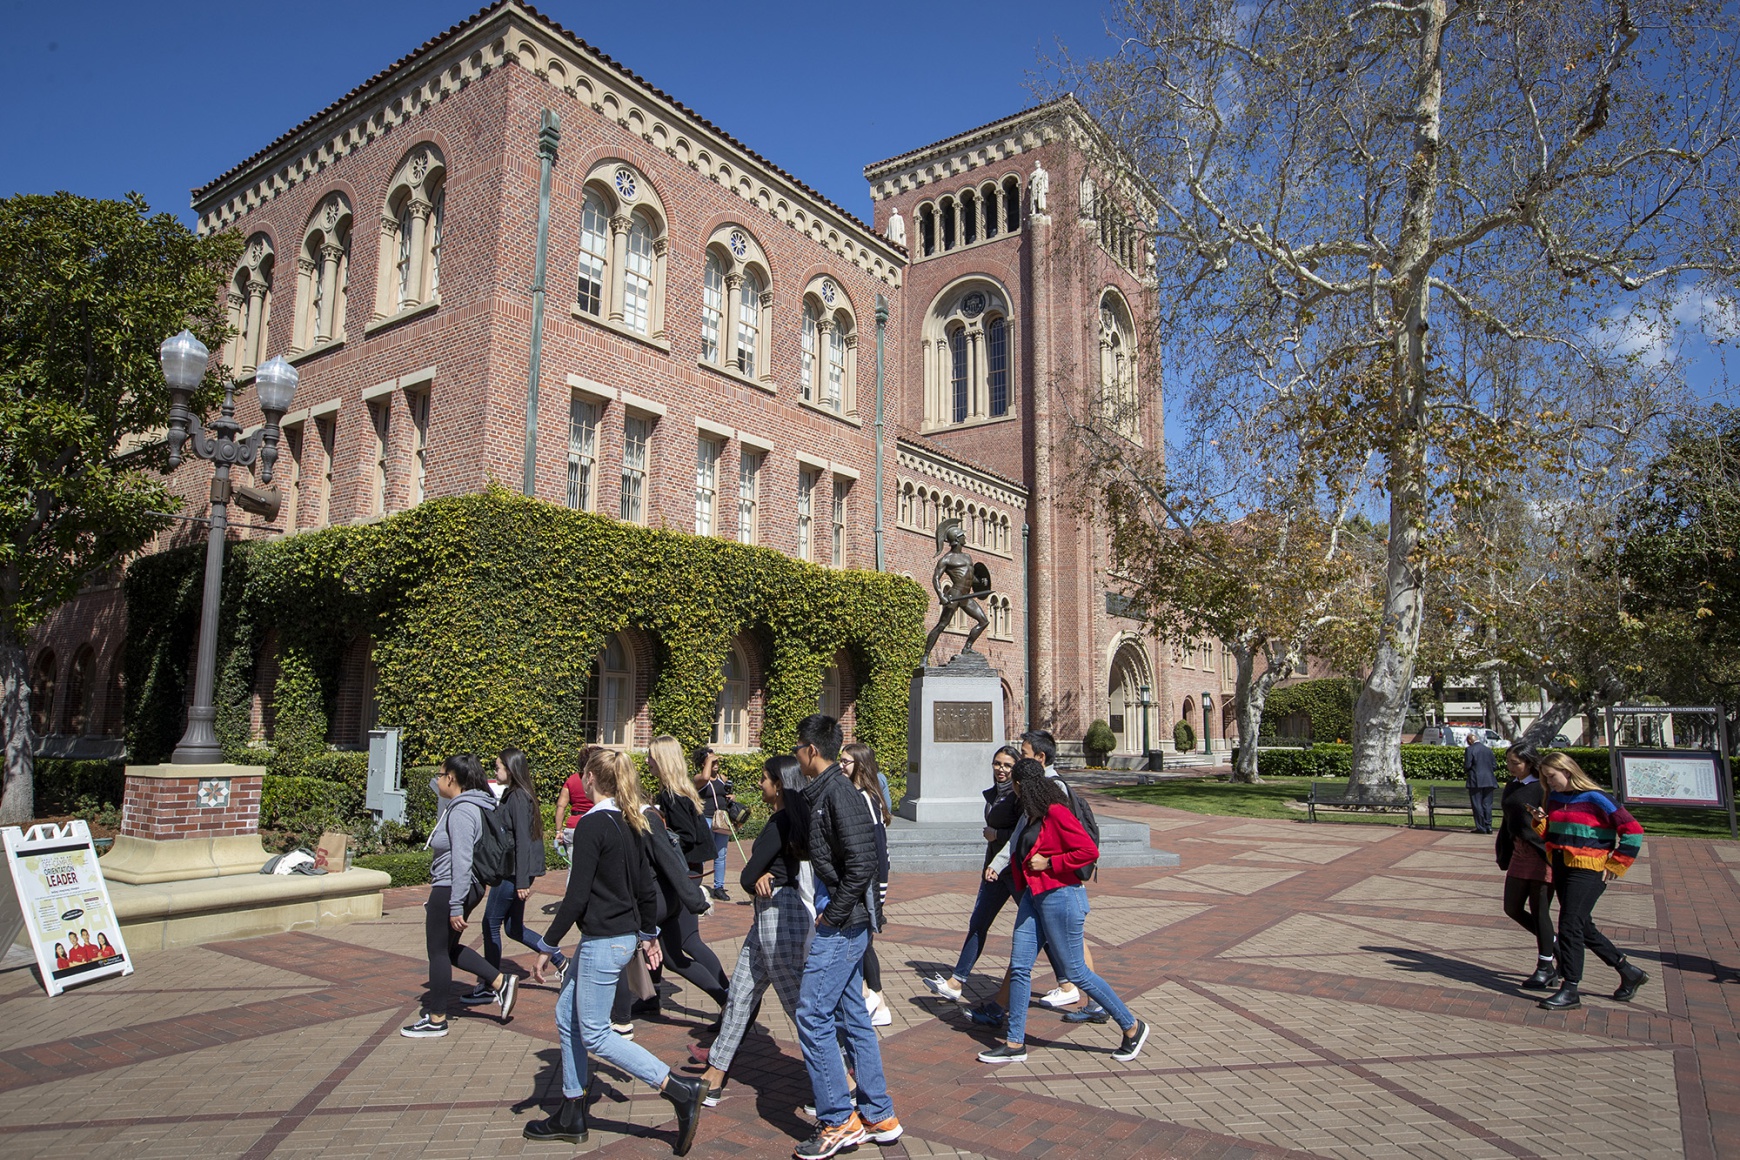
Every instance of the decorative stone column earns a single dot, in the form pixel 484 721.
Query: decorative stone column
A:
pixel 188 821
pixel 619 226
pixel 251 337
pixel 326 322
pixel 420 211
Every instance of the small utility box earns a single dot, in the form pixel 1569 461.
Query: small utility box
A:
pixel 385 797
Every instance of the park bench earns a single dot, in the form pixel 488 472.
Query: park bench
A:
pixel 1457 803
pixel 1333 795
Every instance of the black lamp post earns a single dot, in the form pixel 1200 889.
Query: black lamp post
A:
pixel 1144 693
pixel 184 360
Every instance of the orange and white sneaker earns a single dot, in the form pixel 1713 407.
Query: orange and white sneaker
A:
pixel 828 1141
pixel 884 1131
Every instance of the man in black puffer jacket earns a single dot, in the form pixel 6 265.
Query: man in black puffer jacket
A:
pixel 842 845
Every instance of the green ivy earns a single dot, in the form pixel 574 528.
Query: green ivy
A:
pixel 407 869
pixel 486 612
pixel 309 804
pixel 1328 702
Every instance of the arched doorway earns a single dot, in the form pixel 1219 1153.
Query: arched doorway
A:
pixel 1127 688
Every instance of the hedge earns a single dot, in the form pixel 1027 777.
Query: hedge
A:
pixel 68 787
pixel 408 869
pixel 1419 762
pixel 1327 701
pixel 486 612
pixel 308 804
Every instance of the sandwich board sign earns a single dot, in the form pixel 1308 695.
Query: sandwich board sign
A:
pixel 55 908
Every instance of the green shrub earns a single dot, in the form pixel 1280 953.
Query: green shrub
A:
pixel 77 787
pixel 1099 741
pixel 1184 737
pixel 1326 702
pixel 407 869
pixel 486 612
pixel 308 804
pixel 349 767
pixel 420 805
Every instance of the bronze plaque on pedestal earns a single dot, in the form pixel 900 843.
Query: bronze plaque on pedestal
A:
pixel 962 721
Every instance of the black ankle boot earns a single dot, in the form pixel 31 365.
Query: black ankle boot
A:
pixel 569 1124
pixel 1563 999
pixel 1630 979
pixel 685 1095
pixel 1546 976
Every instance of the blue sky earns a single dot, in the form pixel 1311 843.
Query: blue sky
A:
pixel 101 98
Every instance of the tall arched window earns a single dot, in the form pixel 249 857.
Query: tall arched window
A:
pixel 946 210
pixel 837 339
pixel 323 275
pixel 828 360
pixel 408 276
pixel 968 355
pixel 42 680
pixel 927 230
pixel 958 374
pixel 712 306
pixel 1011 204
pixel 748 322
pixel 997 350
pixel 807 359
pixel 637 278
pixel 250 306
pixel 79 687
pixel 731 709
pixel 594 254
pixel 610 695
pixel 737 278
pixel 832 699
pixel 1118 383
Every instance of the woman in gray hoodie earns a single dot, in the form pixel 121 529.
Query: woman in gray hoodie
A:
pixel 462 794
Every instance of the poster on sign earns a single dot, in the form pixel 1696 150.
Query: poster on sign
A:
pixel 55 896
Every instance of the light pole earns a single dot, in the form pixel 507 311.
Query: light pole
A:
pixel 1145 696
pixel 184 360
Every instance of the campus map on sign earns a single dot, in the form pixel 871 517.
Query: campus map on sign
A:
pixel 54 893
pixel 1671 779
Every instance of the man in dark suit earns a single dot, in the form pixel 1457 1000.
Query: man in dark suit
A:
pixel 1480 775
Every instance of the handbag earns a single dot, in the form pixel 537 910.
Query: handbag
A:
pixel 722 822
pixel 637 977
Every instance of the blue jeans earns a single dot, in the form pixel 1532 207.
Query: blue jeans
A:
pixel 720 843
pixel 831 999
pixel 1061 915
pixel 986 908
pixel 583 1016
pixel 506 908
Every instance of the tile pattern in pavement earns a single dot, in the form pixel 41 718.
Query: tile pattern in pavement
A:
pixel 1325 990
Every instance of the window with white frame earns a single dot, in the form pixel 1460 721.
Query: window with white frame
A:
pixel 838 548
pixel 968 355
pixel 594 254
pixel 805 512
pixel 418 404
pixel 807 359
pixel 636 434
pixel 832 699
pixel 712 307
pixel 731 709
pixel 582 452
pixel 610 695
pixel 435 219
pixel 411 228
pixel 827 370
pixel 707 452
pixel 748 495
pixel 837 337
pixel 637 276
pixel 323 274
pixel 380 416
pixel 1118 383
pixel 748 322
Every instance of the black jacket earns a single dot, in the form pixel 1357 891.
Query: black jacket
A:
pixel 676 889
pixel 773 853
pixel 610 886
pixel 528 847
pixel 842 844
pixel 1001 813
pixel 1518 826
pixel 684 820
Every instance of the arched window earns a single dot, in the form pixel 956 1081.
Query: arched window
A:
pixel 76 717
pixel 748 323
pixel 712 306
pixel 831 702
pixel 988 204
pixel 637 278
pixel 323 275
pixel 827 371
pixel 250 306
pixel 594 254
pixel 1011 204
pixel 837 337
pixel 969 218
pixel 947 211
pixel 610 695
pixel 408 273
pixel 731 709
pixel 807 358
pixel 927 230
pixel 1119 400
pixel 968 355
pixel 42 680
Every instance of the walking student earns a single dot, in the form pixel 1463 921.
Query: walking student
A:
pixel 842 844
pixel 1480 775
pixel 506 906
pixel 1590 841
pixel 1002 808
pixel 1522 855
pixel 1052 899
pixel 572 803
pixel 462 795
pixel 858 763
pixel 715 794
pixel 611 897
pixel 785 919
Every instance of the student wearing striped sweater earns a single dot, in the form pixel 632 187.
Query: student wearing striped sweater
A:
pixel 1590 841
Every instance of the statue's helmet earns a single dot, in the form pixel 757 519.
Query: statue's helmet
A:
pixel 950 531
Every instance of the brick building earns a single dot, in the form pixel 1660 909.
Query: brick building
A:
pixel 708 354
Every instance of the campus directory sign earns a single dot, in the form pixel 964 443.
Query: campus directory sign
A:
pixel 55 895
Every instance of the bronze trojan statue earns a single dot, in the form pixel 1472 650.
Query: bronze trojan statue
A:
pixel 967 583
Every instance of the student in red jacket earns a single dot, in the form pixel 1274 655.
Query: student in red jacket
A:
pixel 1050 849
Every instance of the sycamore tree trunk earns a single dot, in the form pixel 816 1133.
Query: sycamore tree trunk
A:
pixel 1502 718
pixel 18 805
pixel 1546 727
pixel 1250 695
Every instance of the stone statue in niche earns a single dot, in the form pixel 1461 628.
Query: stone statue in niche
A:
pixel 896 228
pixel 967 583
pixel 1039 188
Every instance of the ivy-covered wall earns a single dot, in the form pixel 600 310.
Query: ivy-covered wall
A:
pixel 1327 702
pixel 486 612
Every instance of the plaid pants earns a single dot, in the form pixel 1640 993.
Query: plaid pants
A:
pixel 773 953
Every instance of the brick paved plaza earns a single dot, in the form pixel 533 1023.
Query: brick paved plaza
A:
pixel 1333 990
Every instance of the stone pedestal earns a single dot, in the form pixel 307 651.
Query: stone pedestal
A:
pixel 954 726
pixel 182 822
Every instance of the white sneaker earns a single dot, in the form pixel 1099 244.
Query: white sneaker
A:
pixel 1066 996
pixel 943 988
pixel 880 1013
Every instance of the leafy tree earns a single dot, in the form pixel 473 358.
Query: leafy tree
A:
pixel 1427 232
pixel 88 291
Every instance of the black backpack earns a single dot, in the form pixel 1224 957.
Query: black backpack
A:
pixel 1084 814
pixel 492 859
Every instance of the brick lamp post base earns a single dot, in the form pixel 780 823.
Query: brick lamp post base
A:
pixel 181 822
